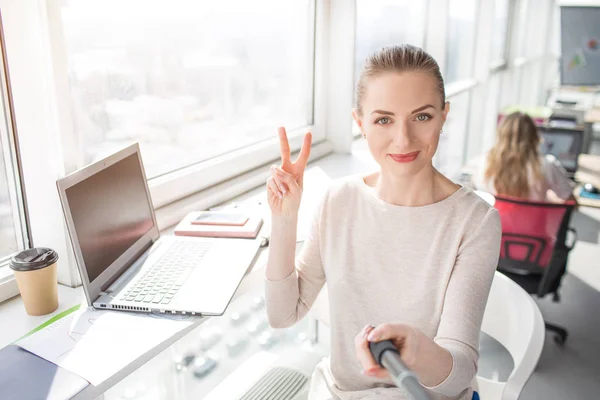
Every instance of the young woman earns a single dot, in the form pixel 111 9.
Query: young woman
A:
pixel 514 167
pixel 404 247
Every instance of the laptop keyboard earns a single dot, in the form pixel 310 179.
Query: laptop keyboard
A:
pixel 161 283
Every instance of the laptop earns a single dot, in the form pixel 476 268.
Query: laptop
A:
pixel 123 261
pixel 563 143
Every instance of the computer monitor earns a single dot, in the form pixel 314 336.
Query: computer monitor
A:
pixel 564 144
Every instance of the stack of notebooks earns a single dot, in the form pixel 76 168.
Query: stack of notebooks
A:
pixel 220 224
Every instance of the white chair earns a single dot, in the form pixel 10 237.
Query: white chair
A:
pixel 511 317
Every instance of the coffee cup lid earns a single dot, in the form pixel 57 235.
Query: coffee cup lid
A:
pixel 32 259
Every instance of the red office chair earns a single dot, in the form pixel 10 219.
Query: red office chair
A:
pixel 534 247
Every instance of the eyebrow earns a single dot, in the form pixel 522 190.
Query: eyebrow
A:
pixel 383 112
pixel 422 108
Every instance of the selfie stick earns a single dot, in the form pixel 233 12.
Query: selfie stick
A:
pixel 386 354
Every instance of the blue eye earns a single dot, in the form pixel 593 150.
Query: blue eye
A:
pixel 383 121
pixel 423 117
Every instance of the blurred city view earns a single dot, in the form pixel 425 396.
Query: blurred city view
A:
pixel 188 80
pixel 8 233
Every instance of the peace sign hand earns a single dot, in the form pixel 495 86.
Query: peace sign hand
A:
pixel 284 187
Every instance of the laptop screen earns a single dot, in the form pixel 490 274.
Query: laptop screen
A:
pixel 564 144
pixel 110 212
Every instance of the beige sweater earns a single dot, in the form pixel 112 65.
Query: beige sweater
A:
pixel 430 267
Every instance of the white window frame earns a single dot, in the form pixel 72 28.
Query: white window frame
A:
pixel 447 48
pixel 482 70
pixel 502 63
pixel 10 148
pixel 28 60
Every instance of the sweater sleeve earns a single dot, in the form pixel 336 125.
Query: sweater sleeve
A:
pixel 465 301
pixel 557 178
pixel 288 300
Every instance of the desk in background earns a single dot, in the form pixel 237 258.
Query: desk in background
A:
pixel 588 172
pixel 591 117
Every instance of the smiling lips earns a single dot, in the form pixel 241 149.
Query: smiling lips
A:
pixel 405 158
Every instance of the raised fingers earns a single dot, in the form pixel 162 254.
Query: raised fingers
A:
pixel 284 146
pixel 305 150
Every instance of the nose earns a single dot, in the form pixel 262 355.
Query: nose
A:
pixel 401 134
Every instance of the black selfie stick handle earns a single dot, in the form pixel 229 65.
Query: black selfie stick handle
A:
pixel 386 354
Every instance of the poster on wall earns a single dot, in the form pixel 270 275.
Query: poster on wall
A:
pixel 580 46
pixel 591 45
pixel 576 60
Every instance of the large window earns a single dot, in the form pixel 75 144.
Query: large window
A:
pixel 499 31
pixel 387 22
pixel 13 230
pixel 491 109
pixel 9 237
pixel 520 23
pixel 189 80
pixel 450 155
pixel 461 40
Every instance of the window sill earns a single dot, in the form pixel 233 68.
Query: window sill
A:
pixel 498 66
pixel 8 283
pixel 458 87
pixel 197 178
pixel 519 62
pixel 15 322
pixel 170 214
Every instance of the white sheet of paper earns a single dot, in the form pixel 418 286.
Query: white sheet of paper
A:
pixel 97 344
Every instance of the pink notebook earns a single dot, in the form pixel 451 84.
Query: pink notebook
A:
pixel 247 231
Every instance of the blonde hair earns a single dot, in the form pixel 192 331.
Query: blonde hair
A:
pixel 513 156
pixel 402 58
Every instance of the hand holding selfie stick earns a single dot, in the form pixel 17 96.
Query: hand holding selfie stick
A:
pixel 386 354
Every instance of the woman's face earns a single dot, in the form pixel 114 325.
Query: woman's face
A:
pixel 401 120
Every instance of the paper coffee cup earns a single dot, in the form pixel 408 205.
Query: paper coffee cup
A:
pixel 35 272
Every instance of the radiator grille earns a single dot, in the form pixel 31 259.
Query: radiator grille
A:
pixel 277 384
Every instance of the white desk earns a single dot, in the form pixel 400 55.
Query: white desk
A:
pixel 15 322
pixel 255 275
pixel 12 313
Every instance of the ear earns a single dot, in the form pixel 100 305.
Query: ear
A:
pixel 357 118
pixel 445 111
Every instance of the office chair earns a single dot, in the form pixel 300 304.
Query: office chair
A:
pixel 513 319
pixel 534 247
